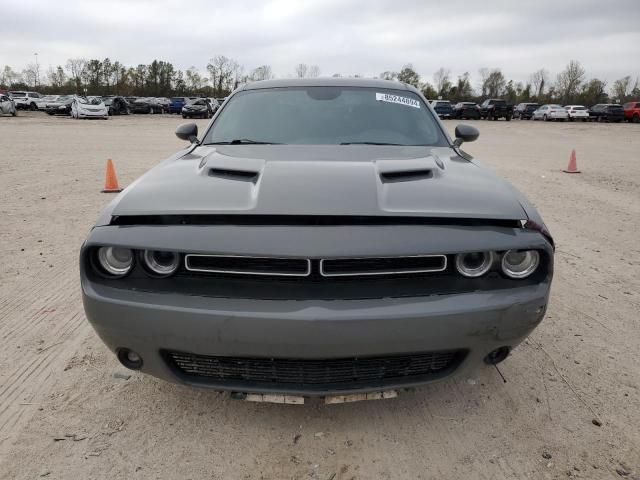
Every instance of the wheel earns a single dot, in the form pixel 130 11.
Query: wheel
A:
pixel 507 118
pixel 635 118
pixel 544 118
pixel 570 119
pixel 33 107
pixel 184 116
pixel 14 112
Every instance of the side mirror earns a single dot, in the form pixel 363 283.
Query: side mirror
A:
pixel 188 132
pixel 465 133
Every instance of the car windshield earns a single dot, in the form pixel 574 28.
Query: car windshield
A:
pixel 107 100
pixel 177 99
pixel 64 98
pixel 326 116
pixel 578 107
pixel 615 107
pixel 18 94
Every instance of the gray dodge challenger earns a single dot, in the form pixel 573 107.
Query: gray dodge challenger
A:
pixel 322 237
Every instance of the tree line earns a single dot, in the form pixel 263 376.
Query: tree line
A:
pixel 161 79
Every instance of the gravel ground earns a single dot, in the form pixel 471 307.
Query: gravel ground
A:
pixel 569 408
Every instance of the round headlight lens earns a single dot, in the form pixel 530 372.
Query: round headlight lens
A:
pixel 161 263
pixel 474 264
pixel 115 261
pixel 520 263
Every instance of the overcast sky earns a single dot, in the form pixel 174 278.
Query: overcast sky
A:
pixel 349 37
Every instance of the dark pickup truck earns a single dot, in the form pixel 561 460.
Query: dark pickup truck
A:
pixel 495 108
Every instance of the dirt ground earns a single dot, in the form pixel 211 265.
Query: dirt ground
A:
pixel 570 406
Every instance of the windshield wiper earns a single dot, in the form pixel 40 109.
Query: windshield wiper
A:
pixel 244 141
pixel 377 143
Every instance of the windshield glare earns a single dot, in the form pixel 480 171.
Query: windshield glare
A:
pixel 326 116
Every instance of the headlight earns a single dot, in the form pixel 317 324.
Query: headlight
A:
pixel 474 264
pixel 115 261
pixel 161 263
pixel 520 263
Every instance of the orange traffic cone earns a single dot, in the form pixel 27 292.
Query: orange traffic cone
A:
pixel 573 165
pixel 111 181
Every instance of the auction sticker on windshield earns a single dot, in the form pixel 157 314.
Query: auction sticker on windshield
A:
pixel 387 97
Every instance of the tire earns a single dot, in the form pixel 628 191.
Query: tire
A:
pixel 570 119
pixel 544 118
pixel 184 116
pixel 33 107
pixel 14 113
pixel 507 118
pixel 635 118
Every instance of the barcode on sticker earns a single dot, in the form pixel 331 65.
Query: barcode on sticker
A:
pixel 387 97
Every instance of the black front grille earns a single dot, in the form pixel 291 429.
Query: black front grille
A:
pixel 383 265
pixel 314 375
pixel 297 267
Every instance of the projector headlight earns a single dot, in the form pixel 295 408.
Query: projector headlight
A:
pixel 520 263
pixel 474 264
pixel 115 261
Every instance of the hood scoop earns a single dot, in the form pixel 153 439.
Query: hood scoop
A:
pixel 406 175
pixel 411 170
pixel 233 174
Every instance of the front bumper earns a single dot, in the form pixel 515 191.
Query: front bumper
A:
pixel 150 323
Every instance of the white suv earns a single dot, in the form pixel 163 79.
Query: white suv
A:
pixel 577 112
pixel 25 100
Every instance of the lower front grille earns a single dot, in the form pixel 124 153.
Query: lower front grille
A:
pixel 315 375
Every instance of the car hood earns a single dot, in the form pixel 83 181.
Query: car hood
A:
pixel 349 180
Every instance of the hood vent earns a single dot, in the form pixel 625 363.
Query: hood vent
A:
pixel 238 175
pixel 406 175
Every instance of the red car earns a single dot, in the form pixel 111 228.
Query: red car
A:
pixel 632 112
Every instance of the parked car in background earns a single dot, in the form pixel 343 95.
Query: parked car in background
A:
pixel 164 102
pixel 42 102
pixel 551 112
pixel 606 112
pixel 236 263
pixel 524 111
pixel 200 108
pixel 632 112
pixel 61 106
pixel 145 105
pixel 221 100
pixel 466 110
pixel 89 107
pixel 176 104
pixel 577 112
pixel 443 108
pixel 116 105
pixel 7 105
pixel 496 108
pixel 214 104
pixel 25 100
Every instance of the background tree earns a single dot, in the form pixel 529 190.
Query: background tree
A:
pixel 263 72
pixel 409 76
pixel 301 70
pixel 442 82
pixel 30 75
pixel 221 72
pixel 388 75
pixel 494 83
pixel 539 79
pixel 622 88
pixel 76 68
pixel 56 77
pixel 7 76
pixel 462 90
pixel 569 81
pixel 592 92
pixel 428 91
pixel 314 71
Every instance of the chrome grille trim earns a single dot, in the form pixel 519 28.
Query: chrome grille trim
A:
pixel 385 272
pixel 246 272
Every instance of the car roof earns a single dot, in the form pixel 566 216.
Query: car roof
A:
pixel 328 82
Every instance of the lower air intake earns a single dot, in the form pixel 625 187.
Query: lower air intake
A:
pixel 310 375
